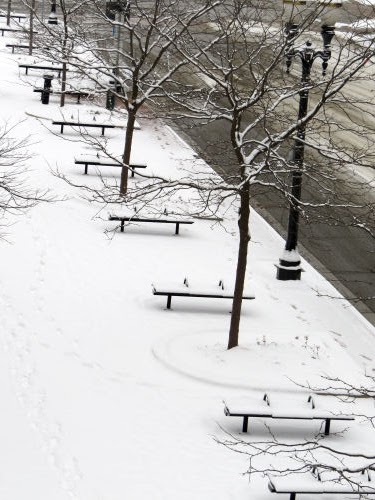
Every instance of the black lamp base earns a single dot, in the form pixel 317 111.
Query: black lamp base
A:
pixel 287 270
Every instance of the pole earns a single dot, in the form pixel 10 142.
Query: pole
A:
pixel 118 44
pixel 31 33
pixel 289 267
pixel 9 8
pixel 298 157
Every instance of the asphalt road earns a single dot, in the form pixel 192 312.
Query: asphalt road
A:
pixel 344 255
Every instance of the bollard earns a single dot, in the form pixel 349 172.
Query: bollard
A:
pixel 47 88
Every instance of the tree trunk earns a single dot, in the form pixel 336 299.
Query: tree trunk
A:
pixel 31 34
pixel 63 84
pixel 9 11
pixel 64 54
pixel 127 151
pixel 243 226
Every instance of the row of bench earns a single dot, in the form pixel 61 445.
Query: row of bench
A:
pixel 311 482
pixel 265 410
pixel 186 291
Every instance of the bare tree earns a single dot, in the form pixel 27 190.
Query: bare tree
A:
pixel 327 458
pixel 57 41
pixel 227 67
pixel 16 196
pixel 140 62
pixel 251 94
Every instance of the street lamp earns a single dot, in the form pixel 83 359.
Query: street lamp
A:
pixel 289 267
pixel 122 7
pixel 52 18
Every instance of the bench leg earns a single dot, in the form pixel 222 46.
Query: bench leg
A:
pixel 79 99
pixel 103 128
pixel 13 49
pixel 132 171
pixel 122 226
pixel 169 300
pixel 26 71
pixel 245 424
pixel 177 228
pixel 86 168
pixel 293 496
pixel 327 426
pixel 62 129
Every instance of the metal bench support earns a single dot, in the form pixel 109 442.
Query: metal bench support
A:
pixel 327 426
pixel 169 301
pixel 245 423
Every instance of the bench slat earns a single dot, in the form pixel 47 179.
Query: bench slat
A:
pixel 216 293
pixel 83 124
pixel 139 219
pixel 311 485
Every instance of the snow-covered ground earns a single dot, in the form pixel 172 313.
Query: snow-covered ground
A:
pixel 107 395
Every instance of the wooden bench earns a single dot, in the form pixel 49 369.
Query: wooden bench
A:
pixel 73 93
pixel 15 30
pixel 41 66
pixel 103 162
pixel 64 123
pixel 185 291
pixel 134 218
pixel 15 16
pixel 264 409
pixel 313 484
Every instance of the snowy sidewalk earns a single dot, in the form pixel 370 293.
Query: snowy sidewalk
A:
pixel 105 394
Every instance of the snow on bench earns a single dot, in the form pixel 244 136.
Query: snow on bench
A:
pixel 14 15
pixel 318 484
pixel 78 124
pixel 47 67
pixel 104 161
pixel 289 409
pixel 136 218
pixel 185 290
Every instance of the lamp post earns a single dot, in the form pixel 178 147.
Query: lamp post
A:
pixel 289 267
pixel 121 7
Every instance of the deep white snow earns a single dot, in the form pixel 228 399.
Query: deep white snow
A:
pixel 105 394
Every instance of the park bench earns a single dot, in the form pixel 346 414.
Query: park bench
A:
pixel 15 16
pixel 17 46
pixel 15 30
pixel 100 161
pixel 288 410
pixel 73 93
pixel 64 123
pixel 313 483
pixel 184 290
pixel 41 66
pixel 135 218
